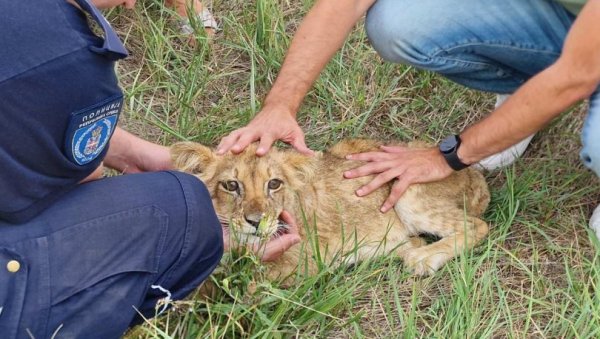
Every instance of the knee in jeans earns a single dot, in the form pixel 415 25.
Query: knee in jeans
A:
pixel 395 32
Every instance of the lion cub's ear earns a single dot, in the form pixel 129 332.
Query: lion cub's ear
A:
pixel 192 157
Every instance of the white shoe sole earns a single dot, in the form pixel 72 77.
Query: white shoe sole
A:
pixel 207 19
pixel 595 221
pixel 504 158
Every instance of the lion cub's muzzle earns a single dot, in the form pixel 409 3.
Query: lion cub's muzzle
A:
pixel 261 225
pixel 253 220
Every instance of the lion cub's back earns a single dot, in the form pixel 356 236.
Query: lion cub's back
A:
pixel 341 211
pixel 340 192
pixel 334 163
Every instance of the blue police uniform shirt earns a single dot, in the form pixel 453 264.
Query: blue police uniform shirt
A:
pixel 59 103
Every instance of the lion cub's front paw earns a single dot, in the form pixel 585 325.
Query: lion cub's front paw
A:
pixel 423 262
pixel 418 267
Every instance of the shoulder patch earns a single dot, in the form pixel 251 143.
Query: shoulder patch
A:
pixel 90 129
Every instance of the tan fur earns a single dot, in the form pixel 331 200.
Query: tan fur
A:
pixel 348 228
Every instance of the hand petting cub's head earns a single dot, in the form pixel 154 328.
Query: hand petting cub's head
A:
pixel 247 191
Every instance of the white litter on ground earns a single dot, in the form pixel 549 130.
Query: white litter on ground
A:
pixel 164 301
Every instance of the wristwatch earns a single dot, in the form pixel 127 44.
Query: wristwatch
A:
pixel 449 149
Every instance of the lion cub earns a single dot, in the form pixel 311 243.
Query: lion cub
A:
pixel 250 192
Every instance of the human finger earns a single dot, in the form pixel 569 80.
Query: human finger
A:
pixel 289 219
pixel 226 238
pixel 266 141
pixel 129 4
pixel 368 169
pixel 379 181
pixel 300 145
pixel 227 142
pixel 369 156
pixel 396 192
pixel 276 247
pixel 243 141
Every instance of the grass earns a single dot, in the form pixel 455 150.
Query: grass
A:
pixel 536 275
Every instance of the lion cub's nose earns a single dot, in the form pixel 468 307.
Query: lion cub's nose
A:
pixel 253 219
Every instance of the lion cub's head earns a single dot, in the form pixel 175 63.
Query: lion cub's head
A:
pixel 247 191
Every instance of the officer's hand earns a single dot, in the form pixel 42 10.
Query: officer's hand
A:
pixel 149 157
pixel 130 154
pixel 277 246
pixel 105 4
pixel 269 125
pixel 97 174
pixel 274 248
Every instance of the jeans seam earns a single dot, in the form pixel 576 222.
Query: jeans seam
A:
pixel 435 54
pixel 462 63
pixel 467 64
pixel 509 45
pixel 164 217
pixel 186 237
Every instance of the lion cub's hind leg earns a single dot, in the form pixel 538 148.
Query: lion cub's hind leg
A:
pixel 423 214
pixel 398 248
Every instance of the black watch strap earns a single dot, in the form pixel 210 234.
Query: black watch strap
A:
pixel 449 149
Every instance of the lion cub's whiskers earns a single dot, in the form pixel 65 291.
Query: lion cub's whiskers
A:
pixel 282 225
pixel 224 220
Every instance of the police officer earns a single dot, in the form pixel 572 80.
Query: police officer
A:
pixel 80 256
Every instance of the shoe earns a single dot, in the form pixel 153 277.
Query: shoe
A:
pixel 205 17
pixel 595 221
pixel 509 155
pixel 506 157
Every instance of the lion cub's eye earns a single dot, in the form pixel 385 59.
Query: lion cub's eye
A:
pixel 275 184
pixel 231 185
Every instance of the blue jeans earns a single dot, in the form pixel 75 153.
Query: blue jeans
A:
pixel 487 45
pixel 88 262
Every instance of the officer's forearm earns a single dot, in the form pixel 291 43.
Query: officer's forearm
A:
pixel 120 144
pixel 97 174
pixel 128 153
pixel 320 35
pixel 572 78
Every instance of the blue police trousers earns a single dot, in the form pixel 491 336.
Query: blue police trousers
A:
pixel 84 267
pixel 487 45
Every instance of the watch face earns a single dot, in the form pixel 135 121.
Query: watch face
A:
pixel 448 145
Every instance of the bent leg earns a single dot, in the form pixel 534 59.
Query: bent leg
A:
pixel 92 257
pixel 438 211
pixel 483 44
